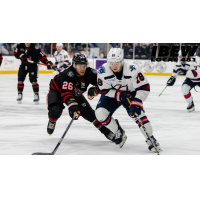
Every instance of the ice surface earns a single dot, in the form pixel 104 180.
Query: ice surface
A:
pixel 23 126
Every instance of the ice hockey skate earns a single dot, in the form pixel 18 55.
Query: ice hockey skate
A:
pixel 36 98
pixel 151 145
pixel 120 136
pixel 20 97
pixel 50 127
pixel 191 107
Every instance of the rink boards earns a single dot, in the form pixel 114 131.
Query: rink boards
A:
pixel 10 65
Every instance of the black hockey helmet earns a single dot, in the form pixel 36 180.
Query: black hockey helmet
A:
pixel 79 59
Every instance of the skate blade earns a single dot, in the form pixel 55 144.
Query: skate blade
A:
pixel 42 153
pixel 36 103
pixel 191 110
pixel 19 102
pixel 123 141
pixel 158 149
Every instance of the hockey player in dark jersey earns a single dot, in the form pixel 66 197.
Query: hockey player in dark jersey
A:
pixel 30 55
pixel 1 59
pixel 67 87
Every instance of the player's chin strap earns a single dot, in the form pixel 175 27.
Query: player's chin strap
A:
pixel 145 130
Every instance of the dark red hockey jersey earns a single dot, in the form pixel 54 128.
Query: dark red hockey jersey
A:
pixel 33 53
pixel 69 85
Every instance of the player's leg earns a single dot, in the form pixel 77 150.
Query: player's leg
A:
pixel 23 70
pixel 89 114
pixel 33 75
pixel 55 107
pixel 105 108
pixel 186 87
pixel 141 121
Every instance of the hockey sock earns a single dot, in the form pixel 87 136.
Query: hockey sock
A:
pixel 20 87
pixel 101 127
pixel 35 87
pixel 146 124
pixel 111 124
pixel 188 97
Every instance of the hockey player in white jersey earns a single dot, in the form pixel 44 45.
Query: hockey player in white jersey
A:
pixel 118 81
pixel 192 72
pixel 62 59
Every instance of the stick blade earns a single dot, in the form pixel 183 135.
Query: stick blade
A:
pixel 42 153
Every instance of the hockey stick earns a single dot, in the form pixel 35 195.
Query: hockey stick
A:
pixel 61 139
pixel 167 85
pixel 145 130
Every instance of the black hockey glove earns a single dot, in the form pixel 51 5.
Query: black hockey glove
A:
pixel 171 81
pixel 49 64
pixel 24 59
pixel 136 107
pixel 93 92
pixel 74 110
pixel 122 96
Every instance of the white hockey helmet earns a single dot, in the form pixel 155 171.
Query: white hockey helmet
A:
pixel 59 45
pixel 115 55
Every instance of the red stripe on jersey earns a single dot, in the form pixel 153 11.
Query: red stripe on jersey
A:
pixel 194 73
pixel 52 86
pixel 145 87
pixel 66 93
pixel 56 86
pixel 66 97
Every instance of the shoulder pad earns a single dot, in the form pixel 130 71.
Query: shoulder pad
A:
pixel 102 70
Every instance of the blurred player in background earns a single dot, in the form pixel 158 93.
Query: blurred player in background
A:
pixel 123 84
pixel 30 55
pixel 192 72
pixel 68 87
pixel 1 59
pixel 62 59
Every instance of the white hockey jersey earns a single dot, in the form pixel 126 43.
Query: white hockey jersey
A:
pixel 190 69
pixel 62 58
pixel 133 79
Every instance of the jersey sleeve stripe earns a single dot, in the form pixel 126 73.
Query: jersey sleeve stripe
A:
pixel 145 87
pixel 194 73
pixel 56 86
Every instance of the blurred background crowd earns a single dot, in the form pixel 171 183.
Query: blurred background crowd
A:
pixel 98 50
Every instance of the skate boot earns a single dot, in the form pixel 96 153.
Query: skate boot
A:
pixel 20 97
pixel 151 146
pixel 110 136
pixel 191 107
pixel 36 98
pixel 120 136
pixel 50 127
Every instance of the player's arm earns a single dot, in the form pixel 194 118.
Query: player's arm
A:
pixel 94 90
pixel 66 62
pixel 142 86
pixel 20 55
pixel 43 58
pixel 1 59
pixel 68 95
